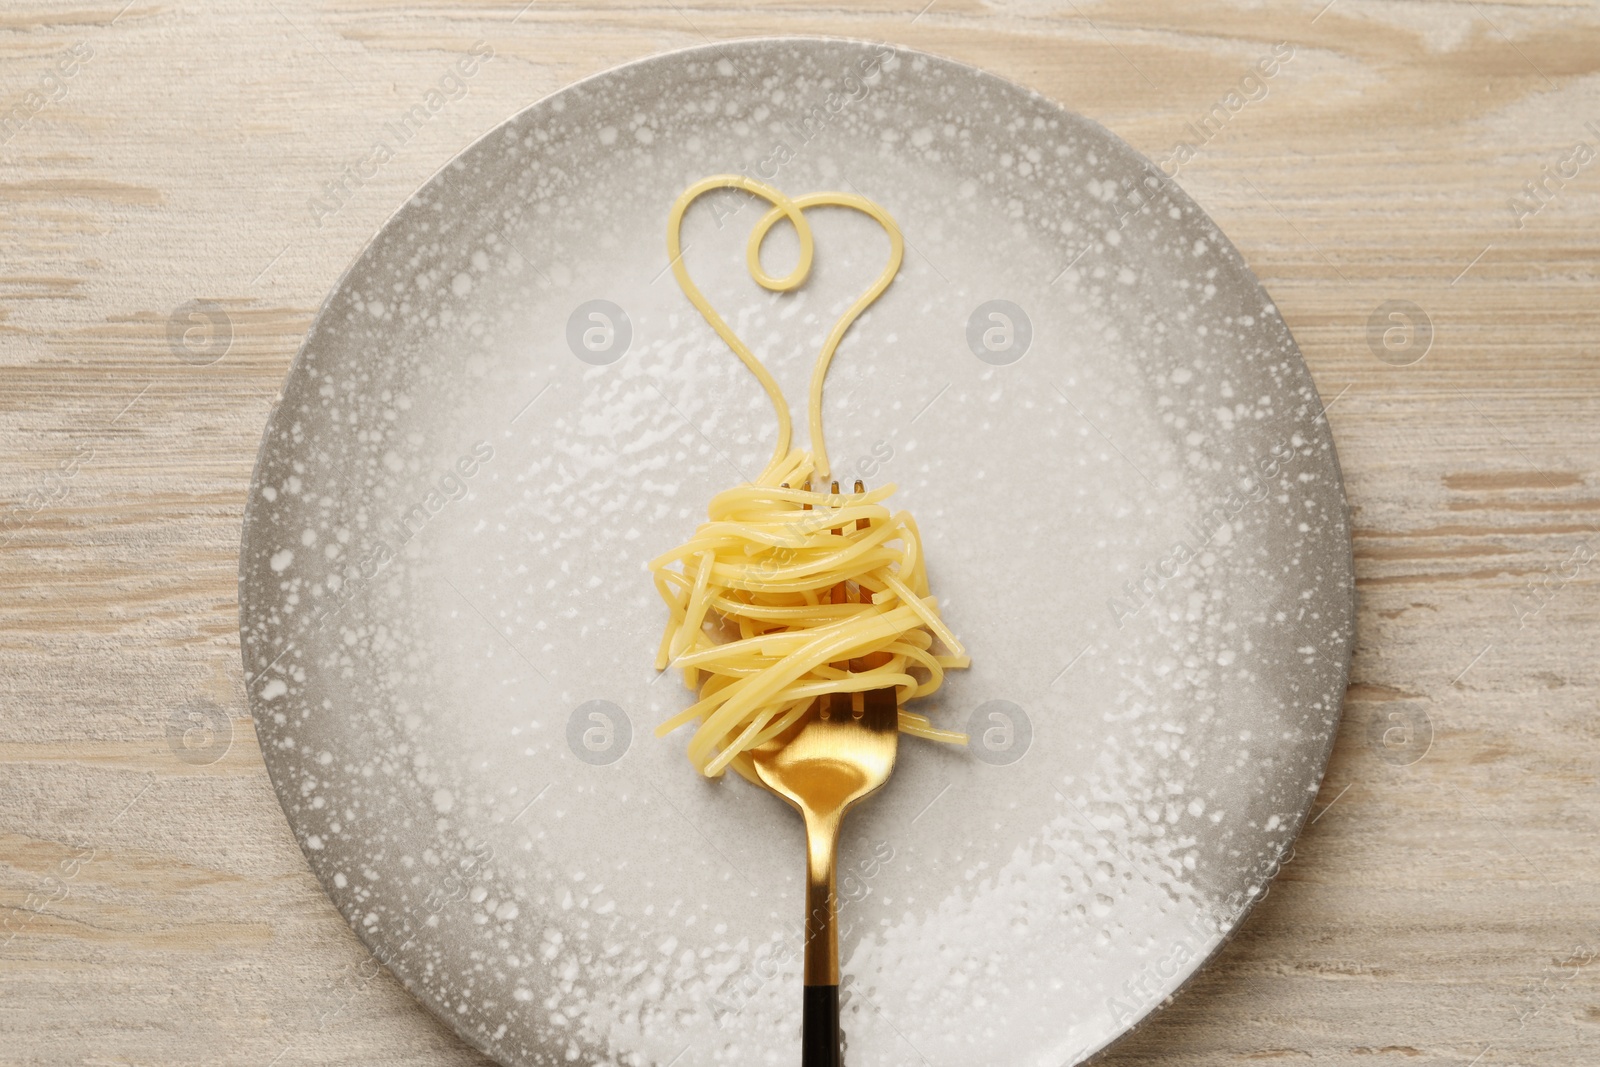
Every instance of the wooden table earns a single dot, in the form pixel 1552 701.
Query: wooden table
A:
pixel 175 203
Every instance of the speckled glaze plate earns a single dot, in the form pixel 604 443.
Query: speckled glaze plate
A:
pixel 1130 503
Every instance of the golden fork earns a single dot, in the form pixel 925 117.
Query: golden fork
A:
pixel 842 751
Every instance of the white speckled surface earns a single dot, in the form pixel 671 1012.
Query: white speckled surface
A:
pixel 443 559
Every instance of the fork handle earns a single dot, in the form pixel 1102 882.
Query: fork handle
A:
pixel 819 1034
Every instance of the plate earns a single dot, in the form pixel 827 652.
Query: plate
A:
pixel 1131 507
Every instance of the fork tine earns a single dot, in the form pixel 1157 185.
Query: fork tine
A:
pixel 846 703
pixel 857 701
pixel 882 709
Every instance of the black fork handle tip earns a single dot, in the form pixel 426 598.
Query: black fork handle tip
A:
pixel 819 1034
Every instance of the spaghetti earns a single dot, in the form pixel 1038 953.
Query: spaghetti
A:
pixel 786 594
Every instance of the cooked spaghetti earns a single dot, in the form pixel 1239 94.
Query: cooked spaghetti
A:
pixel 789 594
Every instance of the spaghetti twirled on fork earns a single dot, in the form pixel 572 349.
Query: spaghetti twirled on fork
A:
pixel 786 593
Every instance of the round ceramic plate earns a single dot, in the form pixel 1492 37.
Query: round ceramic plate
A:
pixel 1130 502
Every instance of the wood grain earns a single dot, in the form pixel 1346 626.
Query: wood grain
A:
pixel 1438 911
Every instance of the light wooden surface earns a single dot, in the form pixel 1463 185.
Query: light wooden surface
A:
pixel 157 911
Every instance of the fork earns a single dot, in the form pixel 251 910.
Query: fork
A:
pixel 843 750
